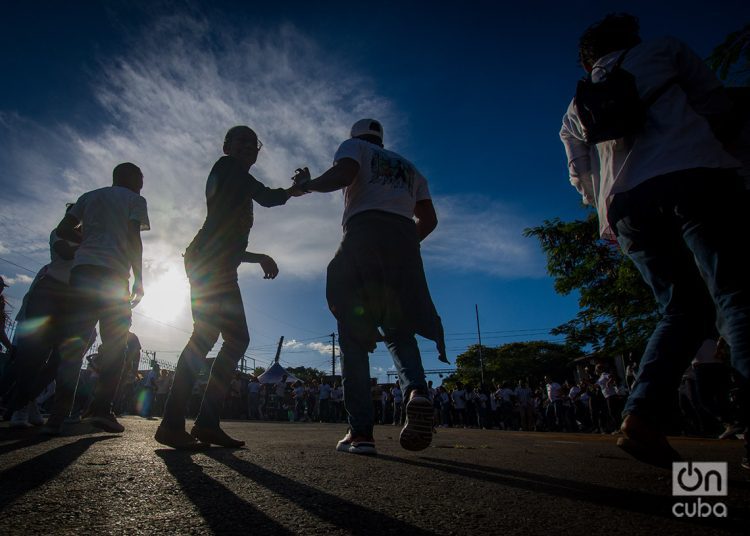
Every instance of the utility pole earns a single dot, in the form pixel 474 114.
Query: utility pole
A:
pixel 333 355
pixel 278 350
pixel 479 334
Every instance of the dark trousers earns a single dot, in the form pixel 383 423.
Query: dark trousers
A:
pixel 217 310
pixel 100 296
pixel 687 234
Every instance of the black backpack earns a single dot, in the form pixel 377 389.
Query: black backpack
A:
pixel 612 108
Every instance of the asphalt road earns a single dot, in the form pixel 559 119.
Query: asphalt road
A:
pixel 290 480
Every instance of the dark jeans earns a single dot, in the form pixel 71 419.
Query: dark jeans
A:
pixel 686 232
pixel 355 371
pixel 100 296
pixel 217 310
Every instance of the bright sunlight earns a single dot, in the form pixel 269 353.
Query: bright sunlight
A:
pixel 166 295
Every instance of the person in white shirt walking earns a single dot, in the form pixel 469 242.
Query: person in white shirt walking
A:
pixel 111 219
pixel 668 191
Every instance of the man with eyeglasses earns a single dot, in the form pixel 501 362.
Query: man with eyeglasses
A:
pixel 211 263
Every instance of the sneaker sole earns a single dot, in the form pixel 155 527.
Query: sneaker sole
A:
pixel 417 432
pixel 359 448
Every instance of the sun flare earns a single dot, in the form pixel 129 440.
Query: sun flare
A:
pixel 167 295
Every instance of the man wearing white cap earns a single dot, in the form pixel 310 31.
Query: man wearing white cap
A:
pixel 376 287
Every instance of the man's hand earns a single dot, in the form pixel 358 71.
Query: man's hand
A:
pixel 137 294
pixel 301 177
pixel 295 191
pixel 270 270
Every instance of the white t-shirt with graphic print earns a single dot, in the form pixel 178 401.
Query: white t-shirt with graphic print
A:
pixel 386 181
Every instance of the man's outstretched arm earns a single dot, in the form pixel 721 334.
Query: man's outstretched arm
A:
pixel 339 176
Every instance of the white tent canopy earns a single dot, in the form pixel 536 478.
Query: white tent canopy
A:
pixel 274 374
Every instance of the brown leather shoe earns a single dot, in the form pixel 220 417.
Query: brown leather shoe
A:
pixel 215 436
pixel 178 439
pixel 646 444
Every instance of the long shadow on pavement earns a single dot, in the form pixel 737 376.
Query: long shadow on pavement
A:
pixel 342 513
pixel 22 442
pixel 222 509
pixel 24 477
pixel 33 436
pixel 631 501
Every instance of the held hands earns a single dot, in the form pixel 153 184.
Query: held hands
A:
pixel 301 178
pixel 270 270
pixel 137 294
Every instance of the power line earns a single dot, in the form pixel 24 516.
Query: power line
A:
pixel 18 265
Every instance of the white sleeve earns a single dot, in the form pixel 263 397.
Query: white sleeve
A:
pixel 139 212
pixel 578 153
pixel 351 148
pixel 77 210
pixel 422 191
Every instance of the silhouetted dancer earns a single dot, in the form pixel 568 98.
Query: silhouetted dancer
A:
pixel 111 220
pixel 211 263
pixel 376 280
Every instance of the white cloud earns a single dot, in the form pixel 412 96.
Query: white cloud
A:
pixel 321 348
pixel 18 279
pixel 166 104
pixel 476 234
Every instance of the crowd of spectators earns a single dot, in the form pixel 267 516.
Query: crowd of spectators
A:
pixel 704 405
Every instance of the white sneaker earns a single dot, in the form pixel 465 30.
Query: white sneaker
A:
pixel 35 417
pixel 20 419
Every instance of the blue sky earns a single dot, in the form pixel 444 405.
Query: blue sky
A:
pixel 472 93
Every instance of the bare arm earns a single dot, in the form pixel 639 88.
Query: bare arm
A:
pixel 135 255
pixel 339 176
pixel 267 264
pixel 424 211
pixel 65 249
pixel 66 229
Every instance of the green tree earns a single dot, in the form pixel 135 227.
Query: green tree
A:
pixel 617 309
pixel 528 361
pixel 731 59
